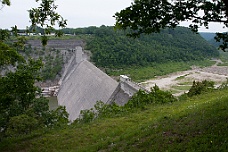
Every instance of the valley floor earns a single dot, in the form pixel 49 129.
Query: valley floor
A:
pixel 180 82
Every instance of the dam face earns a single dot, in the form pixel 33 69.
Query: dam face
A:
pixel 83 84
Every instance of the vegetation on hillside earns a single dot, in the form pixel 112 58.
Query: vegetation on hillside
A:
pixel 197 123
pixel 52 61
pixel 152 16
pixel 118 54
pixel 112 49
pixel 21 109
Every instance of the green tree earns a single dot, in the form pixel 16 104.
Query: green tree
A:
pixel 112 49
pixel 44 16
pixel 5 2
pixel 149 16
pixel 17 89
pixel 20 110
pixel 200 87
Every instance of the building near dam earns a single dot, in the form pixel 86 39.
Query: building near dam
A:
pixel 83 84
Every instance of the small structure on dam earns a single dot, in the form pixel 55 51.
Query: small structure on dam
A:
pixel 83 84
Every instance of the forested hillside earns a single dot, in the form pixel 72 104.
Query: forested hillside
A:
pixel 112 48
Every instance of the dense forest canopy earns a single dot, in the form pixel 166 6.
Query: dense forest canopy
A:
pixel 112 48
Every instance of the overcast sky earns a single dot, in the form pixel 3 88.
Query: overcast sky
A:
pixel 79 13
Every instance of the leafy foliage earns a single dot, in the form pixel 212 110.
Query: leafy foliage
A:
pixel 8 55
pixel 200 87
pixel 86 116
pixel 112 49
pixel 52 66
pixel 20 109
pixel 46 17
pixel 195 124
pixel 22 124
pixel 18 101
pixel 5 2
pixel 139 101
pixel 141 98
pixel 149 16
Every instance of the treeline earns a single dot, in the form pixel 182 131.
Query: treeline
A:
pixel 111 48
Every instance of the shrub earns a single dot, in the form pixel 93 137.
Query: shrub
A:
pixel 142 98
pixel 57 117
pixel 200 87
pixel 160 96
pixel 86 116
pixel 107 110
pixel 139 100
pixel 22 124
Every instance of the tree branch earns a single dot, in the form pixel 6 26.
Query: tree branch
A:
pixel 226 4
pixel 210 20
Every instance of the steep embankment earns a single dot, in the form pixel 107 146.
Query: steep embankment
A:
pixel 196 124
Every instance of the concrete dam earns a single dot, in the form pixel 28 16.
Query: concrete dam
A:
pixel 83 84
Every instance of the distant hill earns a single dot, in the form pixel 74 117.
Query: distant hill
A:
pixel 207 36
pixel 214 42
pixel 113 49
pixel 210 38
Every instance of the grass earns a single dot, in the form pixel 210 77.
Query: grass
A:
pixel 185 83
pixel 181 87
pixel 196 124
pixel 174 91
pixel 181 77
pixel 223 64
pixel 139 74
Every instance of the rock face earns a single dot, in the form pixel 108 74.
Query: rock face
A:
pixel 57 44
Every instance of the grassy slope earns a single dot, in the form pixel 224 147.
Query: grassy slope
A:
pixel 198 124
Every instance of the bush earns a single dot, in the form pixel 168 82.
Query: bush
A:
pixel 183 97
pixel 22 124
pixel 86 116
pixel 56 118
pixel 107 110
pixel 139 100
pixel 200 87
pixel 160 96
pixel 142 98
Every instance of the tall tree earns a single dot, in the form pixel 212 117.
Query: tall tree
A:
pixel 18 101
pixel 148 16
